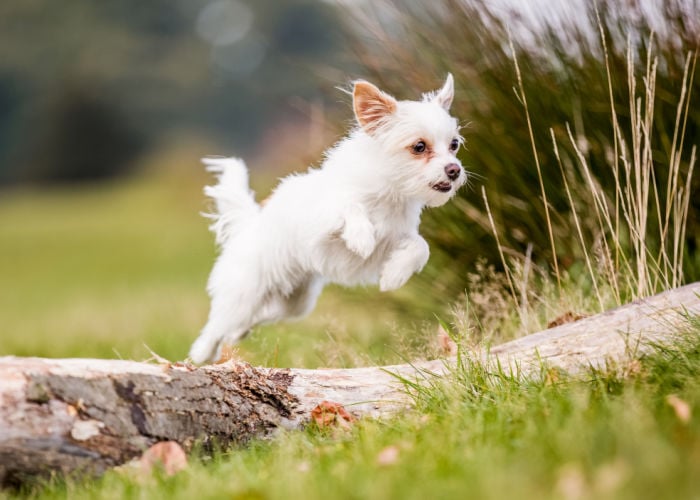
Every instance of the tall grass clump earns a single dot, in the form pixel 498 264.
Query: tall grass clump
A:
pixel 582 121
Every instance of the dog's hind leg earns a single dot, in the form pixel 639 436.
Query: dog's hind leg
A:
pixel 222 328
pixel 298 304
pixel 303 300
pixel 207 347
pixel 232 317
pixel 233 313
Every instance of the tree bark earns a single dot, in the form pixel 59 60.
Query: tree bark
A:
pixel 87 415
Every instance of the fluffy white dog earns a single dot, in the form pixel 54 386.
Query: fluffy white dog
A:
pixel 353 221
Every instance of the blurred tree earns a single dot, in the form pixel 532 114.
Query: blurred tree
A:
pixel 145 67
pixel 81 136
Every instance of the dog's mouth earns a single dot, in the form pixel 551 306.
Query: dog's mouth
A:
pixel 443 187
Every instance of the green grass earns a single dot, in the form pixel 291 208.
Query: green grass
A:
pixel 99 272
pixel 474 435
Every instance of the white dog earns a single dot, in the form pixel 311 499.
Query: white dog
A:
pixel 353 221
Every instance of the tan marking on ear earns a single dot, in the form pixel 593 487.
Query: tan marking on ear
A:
pixel 371 105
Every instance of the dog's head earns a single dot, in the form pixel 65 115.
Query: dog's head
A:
pixel 419 138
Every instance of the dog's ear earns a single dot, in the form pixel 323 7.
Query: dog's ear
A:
pixel 371 105
pixel 444 96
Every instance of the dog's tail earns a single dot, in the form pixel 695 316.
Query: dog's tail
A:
pixel 235 202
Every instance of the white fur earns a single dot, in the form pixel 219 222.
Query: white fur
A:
pixel 354 221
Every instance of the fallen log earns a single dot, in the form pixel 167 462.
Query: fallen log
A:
pixel 88 415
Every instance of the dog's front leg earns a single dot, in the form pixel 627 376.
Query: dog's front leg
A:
pixel 407 258
pixel 358 231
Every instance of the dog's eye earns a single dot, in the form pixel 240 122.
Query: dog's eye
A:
pixel 419 147
pixel 454 145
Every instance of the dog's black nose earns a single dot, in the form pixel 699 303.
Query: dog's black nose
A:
pixel 453 170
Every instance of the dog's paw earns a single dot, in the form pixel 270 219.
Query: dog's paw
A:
pixel 358 235
pixel 408 258
pixel 205 349
pixel 394 277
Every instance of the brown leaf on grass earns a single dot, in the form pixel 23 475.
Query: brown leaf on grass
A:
pixel 388 456
pixel 328 414
pixel 680 407
pixel 168 454
pixel 445 343
pixel 567 317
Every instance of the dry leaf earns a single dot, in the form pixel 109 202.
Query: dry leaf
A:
pixel 445 342
pixel 168 454
pixel 328 414
pixel 388 456
pixel 680 408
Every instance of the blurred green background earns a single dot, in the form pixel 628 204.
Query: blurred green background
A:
pixel 106 107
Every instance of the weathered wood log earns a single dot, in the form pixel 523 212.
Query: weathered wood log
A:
pixel 69 415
